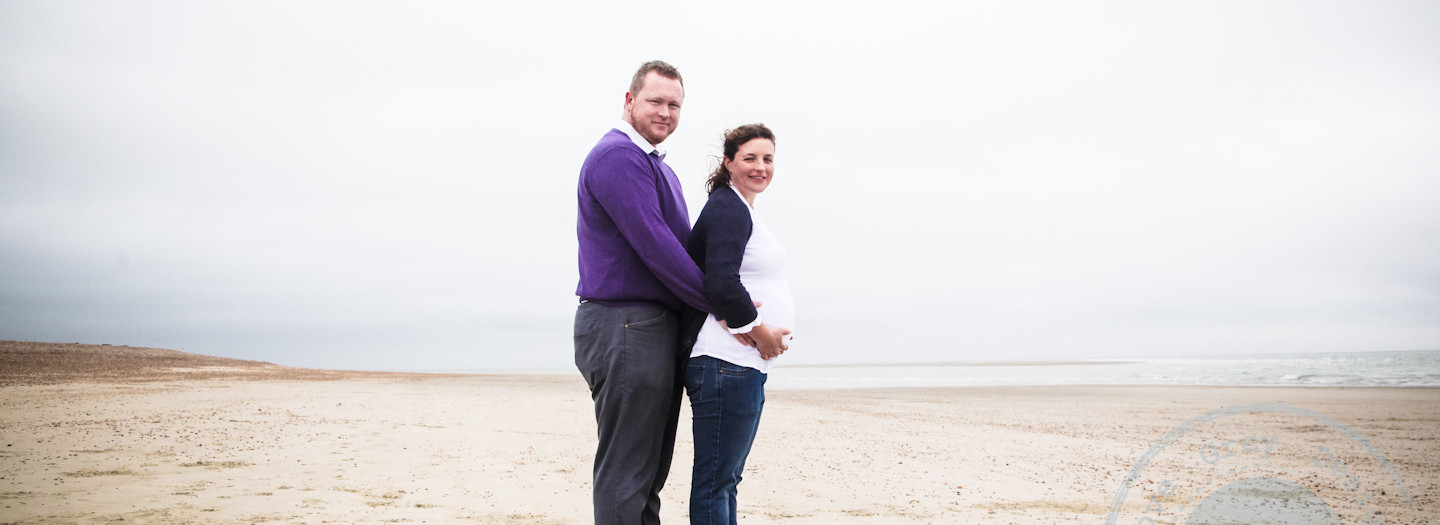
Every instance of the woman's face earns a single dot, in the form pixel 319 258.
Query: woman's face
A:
pixel 753 167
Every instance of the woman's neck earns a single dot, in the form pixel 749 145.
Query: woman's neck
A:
pixel 749 197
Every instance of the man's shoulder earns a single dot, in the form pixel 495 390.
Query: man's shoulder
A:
pixel 614 151
pixel 615 141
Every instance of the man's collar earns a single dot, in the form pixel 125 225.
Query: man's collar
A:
pixel 639 141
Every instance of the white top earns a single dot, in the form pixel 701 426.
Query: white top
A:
pixel 762 272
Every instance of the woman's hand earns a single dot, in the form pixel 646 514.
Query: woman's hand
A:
pixel 770 342
pixel 745 338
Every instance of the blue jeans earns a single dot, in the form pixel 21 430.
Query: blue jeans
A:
pixel 725 400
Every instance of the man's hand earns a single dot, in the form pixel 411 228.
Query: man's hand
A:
pixel 770 341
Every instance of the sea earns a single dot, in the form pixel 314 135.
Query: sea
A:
pixel 1350 369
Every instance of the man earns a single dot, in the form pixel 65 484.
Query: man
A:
pixel 636 279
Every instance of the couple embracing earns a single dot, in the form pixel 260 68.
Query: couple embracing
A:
pixel 664 309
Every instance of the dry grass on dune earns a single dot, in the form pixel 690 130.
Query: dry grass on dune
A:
pixel 27 363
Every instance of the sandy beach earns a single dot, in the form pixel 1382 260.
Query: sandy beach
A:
pixel 92 434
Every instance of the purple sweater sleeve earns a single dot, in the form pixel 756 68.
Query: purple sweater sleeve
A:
pixel 642 201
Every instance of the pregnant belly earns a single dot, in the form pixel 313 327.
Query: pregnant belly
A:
pixel 777 304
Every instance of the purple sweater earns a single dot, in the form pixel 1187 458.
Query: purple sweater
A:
pixel 633 226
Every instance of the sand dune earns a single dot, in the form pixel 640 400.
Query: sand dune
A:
pixel 29 363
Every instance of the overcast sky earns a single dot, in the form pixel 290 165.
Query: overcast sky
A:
pixel 391 185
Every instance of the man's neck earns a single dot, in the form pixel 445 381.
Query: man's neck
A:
pixel 639 140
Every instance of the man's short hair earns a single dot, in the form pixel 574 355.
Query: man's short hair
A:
pixel 659 67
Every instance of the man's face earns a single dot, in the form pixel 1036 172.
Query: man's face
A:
pixel 655 110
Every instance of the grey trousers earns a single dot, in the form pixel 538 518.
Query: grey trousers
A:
pixel 630 357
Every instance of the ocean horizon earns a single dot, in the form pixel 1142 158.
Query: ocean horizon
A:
pixel 1393 369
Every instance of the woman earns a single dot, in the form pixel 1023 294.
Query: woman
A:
pixel 743 262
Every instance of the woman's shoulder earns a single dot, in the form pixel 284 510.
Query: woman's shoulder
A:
pixel 724 206
pixel 725 200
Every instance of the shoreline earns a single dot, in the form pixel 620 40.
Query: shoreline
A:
pixel 1417 369
pixel 968 364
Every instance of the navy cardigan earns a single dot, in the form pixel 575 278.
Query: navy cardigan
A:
pixel 717 244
